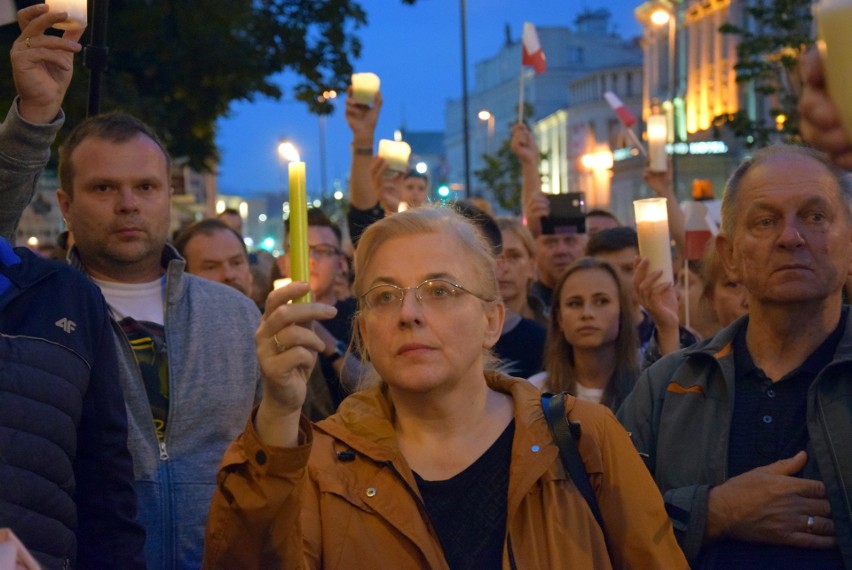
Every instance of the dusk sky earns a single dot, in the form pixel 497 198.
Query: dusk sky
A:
pixel 415 50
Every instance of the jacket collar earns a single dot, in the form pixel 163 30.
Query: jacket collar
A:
pixel 171 261
pixel 364 422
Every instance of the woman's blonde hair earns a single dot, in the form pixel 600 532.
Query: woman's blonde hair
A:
pixel 559 354
pixel 426 219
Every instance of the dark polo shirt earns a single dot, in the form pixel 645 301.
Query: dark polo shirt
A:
pixel 769 423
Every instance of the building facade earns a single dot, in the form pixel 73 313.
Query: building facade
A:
pixel 571 53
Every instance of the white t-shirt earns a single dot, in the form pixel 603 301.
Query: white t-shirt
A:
pixel 589 394
pixel 142 302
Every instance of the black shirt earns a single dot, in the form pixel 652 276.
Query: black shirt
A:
pixel 468 510
pixel 769 423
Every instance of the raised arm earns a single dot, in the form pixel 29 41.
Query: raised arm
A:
pixel 534 201
pixel 255 517
pixel 42 67
pixel 362 121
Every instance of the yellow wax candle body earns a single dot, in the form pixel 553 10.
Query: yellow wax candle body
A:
pixel 655 244
pixel 76 13
pixel 834 22
pixel 299 261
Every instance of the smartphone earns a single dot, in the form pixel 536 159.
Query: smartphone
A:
pixel 567 214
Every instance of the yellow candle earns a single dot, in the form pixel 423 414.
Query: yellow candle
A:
pixel 652 225
pixel 76 13
pixel 299 262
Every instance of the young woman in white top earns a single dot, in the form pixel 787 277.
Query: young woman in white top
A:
pixel 592 344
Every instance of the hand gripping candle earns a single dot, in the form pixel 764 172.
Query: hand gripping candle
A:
pixel 652 225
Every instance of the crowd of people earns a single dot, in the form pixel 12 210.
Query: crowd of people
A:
pixel 163 406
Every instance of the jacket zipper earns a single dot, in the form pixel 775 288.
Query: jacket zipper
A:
pixel 164 454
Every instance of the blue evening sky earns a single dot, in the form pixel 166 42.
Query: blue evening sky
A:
pixel 415 50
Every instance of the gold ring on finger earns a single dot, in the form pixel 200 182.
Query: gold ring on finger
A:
pixel 278 346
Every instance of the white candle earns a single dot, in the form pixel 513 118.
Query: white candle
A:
pixel 652 225
pixel 76 13
pixel 395 153
pixel 364 87
pixel 657 135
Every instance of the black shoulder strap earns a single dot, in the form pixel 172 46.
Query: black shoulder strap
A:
pixel 563 435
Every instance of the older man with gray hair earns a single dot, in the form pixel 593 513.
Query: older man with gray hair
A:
pixel 748 434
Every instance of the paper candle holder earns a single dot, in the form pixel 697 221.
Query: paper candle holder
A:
pixel 365 86
pixel 652 227
pixel 657 137
pixel 395 154
pixel 77 13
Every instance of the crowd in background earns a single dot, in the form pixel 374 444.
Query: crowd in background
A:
pixel 191 413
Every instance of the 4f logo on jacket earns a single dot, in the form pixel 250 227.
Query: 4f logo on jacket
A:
pixel 66 324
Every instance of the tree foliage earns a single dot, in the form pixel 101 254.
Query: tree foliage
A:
pixel 501 174
pixel 770 42
pixel 179 65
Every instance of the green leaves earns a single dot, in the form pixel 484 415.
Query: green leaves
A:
pixel 775 33
pixel 178 65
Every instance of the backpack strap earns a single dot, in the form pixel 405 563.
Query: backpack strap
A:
pixel 564 436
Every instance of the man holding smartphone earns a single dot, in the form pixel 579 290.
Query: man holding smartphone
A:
pixel 554 251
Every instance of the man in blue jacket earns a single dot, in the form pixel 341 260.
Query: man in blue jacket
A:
pixel 66 477
pixel 748 433
pixel 185 344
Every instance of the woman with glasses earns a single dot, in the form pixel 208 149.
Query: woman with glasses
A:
pixel 442 463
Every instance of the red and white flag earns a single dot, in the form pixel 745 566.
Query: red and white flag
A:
pixel 627 118
pixel 700 227
pixel 533 54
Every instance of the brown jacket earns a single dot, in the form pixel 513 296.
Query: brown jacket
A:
pixel 321 505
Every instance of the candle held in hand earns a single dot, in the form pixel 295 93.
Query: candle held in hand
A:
pixel 395 154
pixel 657 135
pixel 76 13
pixel 365 86
pixel 652 225
pixel 299 261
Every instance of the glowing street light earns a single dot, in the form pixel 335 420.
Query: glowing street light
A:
pixel 488 117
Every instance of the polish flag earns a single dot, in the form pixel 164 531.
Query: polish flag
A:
pixel 533 54
pixel 700 227
pixel 627 118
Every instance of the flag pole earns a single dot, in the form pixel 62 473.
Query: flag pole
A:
pixel 521 98
pixel 636 142
pixel 686 291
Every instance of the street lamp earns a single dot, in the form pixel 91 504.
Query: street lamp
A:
pixel 324 98
pixel 488 117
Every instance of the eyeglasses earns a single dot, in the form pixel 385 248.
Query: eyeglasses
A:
pixel 322 251
pixel 432 294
